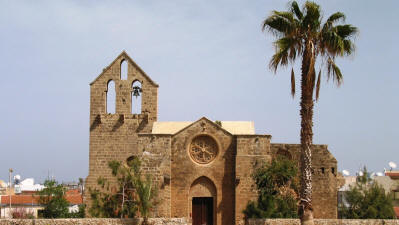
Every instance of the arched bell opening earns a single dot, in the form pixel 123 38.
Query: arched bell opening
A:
pixel 110 102
pixel 136 97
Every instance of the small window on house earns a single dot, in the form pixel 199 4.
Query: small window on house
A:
pixel 333 170
pixel 110 102
pixel 123 70
pixel 136 97
pixel 322 170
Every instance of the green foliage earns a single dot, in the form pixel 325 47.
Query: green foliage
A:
pixel 132 192
pixel 366 200
pixel 146 194
pixel 53 198
pixel 277 184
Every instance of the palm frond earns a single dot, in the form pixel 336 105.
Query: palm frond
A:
pixel 286 51
pixel 334 72
pixel 292 83
pixel 296 10
pixel 318 85
pixel 349 47
pixel 346 31
pixel 279 23
pixel 279 58
pixel 312 16
pixel 335 17
pixel 285 14
pixel 336 40
pixel 332 43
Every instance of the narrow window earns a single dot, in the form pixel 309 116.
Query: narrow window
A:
pixel 123 70
pixel 136 97
pixel 322 170
pixel 333 170
pixel 110 103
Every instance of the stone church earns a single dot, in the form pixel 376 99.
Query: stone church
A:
pixel 202 168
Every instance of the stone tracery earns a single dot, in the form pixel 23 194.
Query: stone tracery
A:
pixel 203 149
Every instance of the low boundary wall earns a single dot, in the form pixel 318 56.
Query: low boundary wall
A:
pixel 182 221
pixel 322 222
pixel 93 221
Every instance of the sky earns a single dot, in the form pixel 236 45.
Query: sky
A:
pixel 210 59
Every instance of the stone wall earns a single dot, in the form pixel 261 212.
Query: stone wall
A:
pixel 156 162
pixel 217 175
pixel 325 177
pixel 92 221
pixel 321 222
pixel 252 151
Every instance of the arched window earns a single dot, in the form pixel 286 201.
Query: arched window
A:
pixel 124 70
pixel 136 97
pixel 110 102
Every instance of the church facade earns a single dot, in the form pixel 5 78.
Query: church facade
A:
pixel 201 168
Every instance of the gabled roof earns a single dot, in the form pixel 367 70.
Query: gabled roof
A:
pixel 203 119
pixel 127 57
pixel 232 127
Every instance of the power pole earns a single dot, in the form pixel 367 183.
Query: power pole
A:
pixel 9 189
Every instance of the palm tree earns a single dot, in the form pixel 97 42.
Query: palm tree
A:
pixel 300 33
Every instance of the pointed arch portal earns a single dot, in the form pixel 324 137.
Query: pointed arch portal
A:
pixel 203 198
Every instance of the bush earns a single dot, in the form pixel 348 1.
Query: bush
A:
pixel 22 213
pixel 133 193
pixel 53 198
pixel 277 184
pixel 366 200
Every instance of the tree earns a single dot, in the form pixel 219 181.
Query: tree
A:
pixel 366 200
pixel 53 198
pixel 146 194
pixel 132 193
pixel 277 184
pixel 300 33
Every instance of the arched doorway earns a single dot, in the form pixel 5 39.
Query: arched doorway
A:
pixel 202 198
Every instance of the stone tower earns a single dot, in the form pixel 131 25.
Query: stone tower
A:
pixel 114 135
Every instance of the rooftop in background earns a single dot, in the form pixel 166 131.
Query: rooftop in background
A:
pixel 234 127
pixel 392 174
pixel 396 209
pixel 74 197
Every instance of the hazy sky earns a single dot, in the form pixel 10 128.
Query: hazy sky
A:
pixel 210 59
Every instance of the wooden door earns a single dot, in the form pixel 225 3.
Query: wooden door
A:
pixel 203 211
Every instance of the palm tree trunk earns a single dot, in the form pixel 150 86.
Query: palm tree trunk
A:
pixel 306 112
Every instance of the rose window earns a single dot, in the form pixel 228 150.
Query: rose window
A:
pixel 203 149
